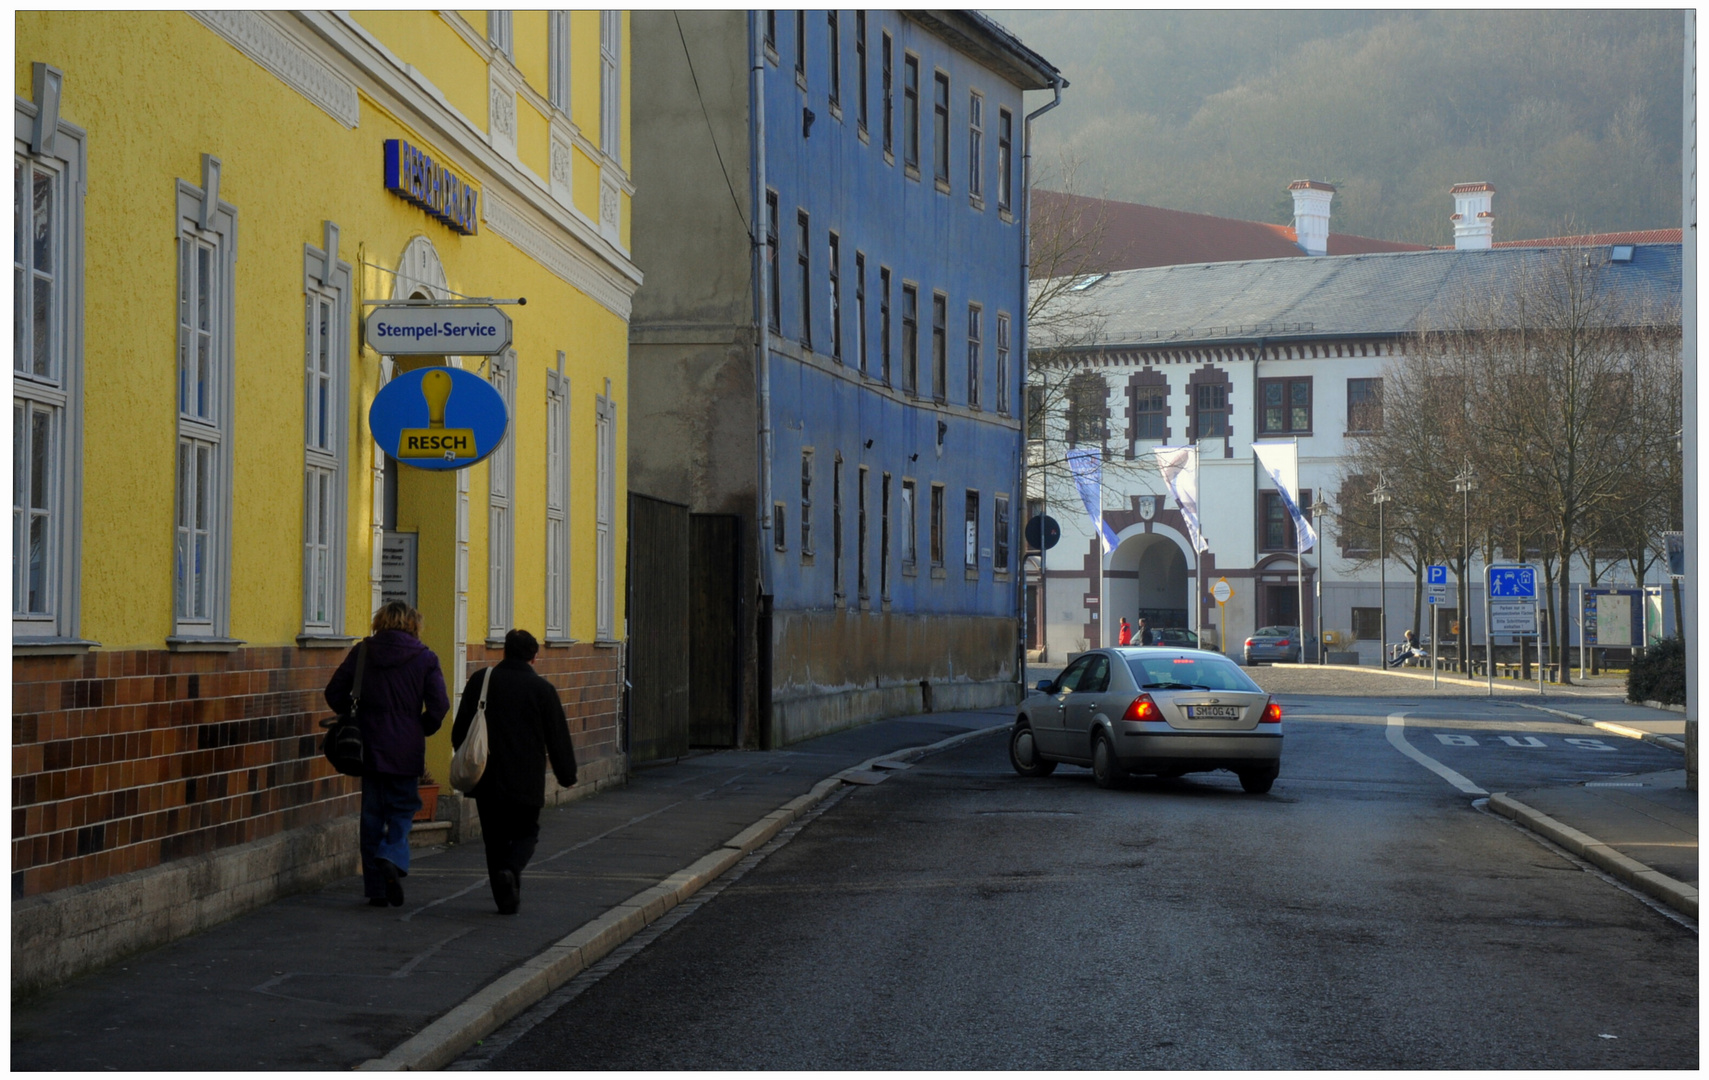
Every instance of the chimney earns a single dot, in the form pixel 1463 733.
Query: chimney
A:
pixel 1474 224
pixel 1311 215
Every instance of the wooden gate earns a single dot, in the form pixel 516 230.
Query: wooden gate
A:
pixel 658 628
pixel 715 628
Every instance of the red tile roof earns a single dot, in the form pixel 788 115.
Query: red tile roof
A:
pixel 1128 236
pixel 1639 236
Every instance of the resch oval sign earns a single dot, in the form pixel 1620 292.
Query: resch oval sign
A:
pixel 438 418
pixel 437 331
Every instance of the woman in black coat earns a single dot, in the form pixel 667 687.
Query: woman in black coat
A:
pixel 525 727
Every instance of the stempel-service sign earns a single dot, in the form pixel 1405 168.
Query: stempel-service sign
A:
pixel 478 330
pixel 438 418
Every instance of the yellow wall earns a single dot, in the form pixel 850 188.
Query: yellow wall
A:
pixel 425 41
pixel 529 39
pixel 287 166
pixel 584 73
pixel 533 139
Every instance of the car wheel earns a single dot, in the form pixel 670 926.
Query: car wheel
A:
pixel 1257 782
pixel 1024 755
pixel 1106 770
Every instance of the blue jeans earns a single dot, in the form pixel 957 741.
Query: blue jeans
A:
pixel 389 803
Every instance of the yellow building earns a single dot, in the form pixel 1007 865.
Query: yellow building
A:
pixel 203 522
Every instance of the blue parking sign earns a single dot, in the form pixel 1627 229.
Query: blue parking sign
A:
pixel 1513 583
pixel 1436 575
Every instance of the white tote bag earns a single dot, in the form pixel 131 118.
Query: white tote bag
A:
pixel 470 760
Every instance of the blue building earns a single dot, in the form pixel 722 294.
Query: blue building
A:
pixel 826 364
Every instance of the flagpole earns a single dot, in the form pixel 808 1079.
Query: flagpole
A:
pixel 1299 552
pixel 1198 556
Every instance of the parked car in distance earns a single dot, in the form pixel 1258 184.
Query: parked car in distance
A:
pixel 1280 644
pixel 1175 637
pixel 1158 710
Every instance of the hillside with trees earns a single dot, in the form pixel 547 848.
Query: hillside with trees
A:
pixel 1573 115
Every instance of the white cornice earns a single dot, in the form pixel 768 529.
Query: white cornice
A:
pixel 565 260
pixel 262 39
pixel 607 270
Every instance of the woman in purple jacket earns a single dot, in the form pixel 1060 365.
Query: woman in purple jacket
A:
pixel 403 702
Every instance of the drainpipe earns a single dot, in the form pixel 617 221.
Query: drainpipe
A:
pixel 762 372
pixel 1026 359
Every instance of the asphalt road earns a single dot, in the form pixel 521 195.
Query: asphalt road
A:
pixel 1363 915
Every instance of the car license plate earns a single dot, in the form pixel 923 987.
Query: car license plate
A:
pixel 1213 712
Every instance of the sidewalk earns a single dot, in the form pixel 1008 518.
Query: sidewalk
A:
pixel 322 981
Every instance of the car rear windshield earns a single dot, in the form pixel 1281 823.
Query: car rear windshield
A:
pixel 1209 673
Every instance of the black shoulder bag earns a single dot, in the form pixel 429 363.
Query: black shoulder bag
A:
pixel 343 743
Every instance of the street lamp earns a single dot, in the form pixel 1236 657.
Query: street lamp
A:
pixel 1380 495
pixel 1465 484
pixel 1319 510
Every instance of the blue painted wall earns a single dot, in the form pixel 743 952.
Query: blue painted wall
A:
pixel 941 242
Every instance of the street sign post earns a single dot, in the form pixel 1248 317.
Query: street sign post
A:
pixel 437 330
pixel 1513 617
pixel 1222 592
pixel 1513 582
pixel 1511 597
pixel 1436 584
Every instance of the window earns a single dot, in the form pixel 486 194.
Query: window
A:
pixel 499 35
pixel 975 359
pixel 557 504
pixel 860 72
pixel 884 537
pixel 836 68
pixel 501 519
pixel 937 526
pixel 940 347
pixel 1358 520
pixel 1149 412
pixel 910 339
pixel 558 59
pixel 201 597
pixel 326 358
pixel 861 586
pixel 884 323
pixel 771 29
pixel 1277 525
pixel 610 88
pixel 888 103
pixel 910 548
pixel 47 367
pixel 911 112
pixel 836 301
pixel 801 47
pixel 1286 406
pixel 972 530
pixel 1035 412
pixel 1005 159
pixel 1000 534
pixel 1087 403
pixel 860 309
pixel 837 528
pixel 803 259
pixel 779 527
pixel 605 516
pixel 1367 623
pixel 1210 413
pixel 1003 363
pixel 806 504
pixel 771 240
pixel 940 128
pixel 975 145
pixel 1364 405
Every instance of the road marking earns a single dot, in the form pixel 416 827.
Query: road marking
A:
pixel 1530 740
pixel 1397 738
pixel 1589 744
pixel 1455 740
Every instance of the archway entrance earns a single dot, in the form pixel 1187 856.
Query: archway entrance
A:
pixel 1148 580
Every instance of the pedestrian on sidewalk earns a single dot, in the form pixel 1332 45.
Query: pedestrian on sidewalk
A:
pixel 403 701
pixel 1145 636
pixel 1125 635
pixel 525 726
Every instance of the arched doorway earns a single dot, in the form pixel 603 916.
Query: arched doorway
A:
pixel 1148 579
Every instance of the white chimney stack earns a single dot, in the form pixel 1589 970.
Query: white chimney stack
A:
pixel 1474 224
pixel 1311 215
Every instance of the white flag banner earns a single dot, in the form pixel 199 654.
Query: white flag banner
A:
pixel 1282 461
pixel 1180 468
pixel 1087 465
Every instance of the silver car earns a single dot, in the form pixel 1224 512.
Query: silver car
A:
pixel 1163 711
pixel 1280 645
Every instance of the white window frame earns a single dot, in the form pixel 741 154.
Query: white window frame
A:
pixel 975 147
pixel 500 35
pixel 970 528
pixel 975 352
pixel 60 151
pixel 557 505
pixel 558 60
pixel 1003 363
pixel 910 525
pixel 501 506
pixel 326 366
pixel 203 499
pixel 610 83
pixel 605 516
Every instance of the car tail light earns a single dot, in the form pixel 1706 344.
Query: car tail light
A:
pixel 1143 708
pixel 1282 644
pixel 1248 643
pixel 1272 713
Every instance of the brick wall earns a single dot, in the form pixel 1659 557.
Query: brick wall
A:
pixel 122 761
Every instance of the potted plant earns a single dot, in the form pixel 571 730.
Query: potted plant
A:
pixel 428 788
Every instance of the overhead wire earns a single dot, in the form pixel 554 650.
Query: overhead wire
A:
pixel 709 130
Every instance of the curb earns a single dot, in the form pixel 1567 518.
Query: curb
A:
pixel 1675 894
pixel 441 1041
pixel 1666 741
